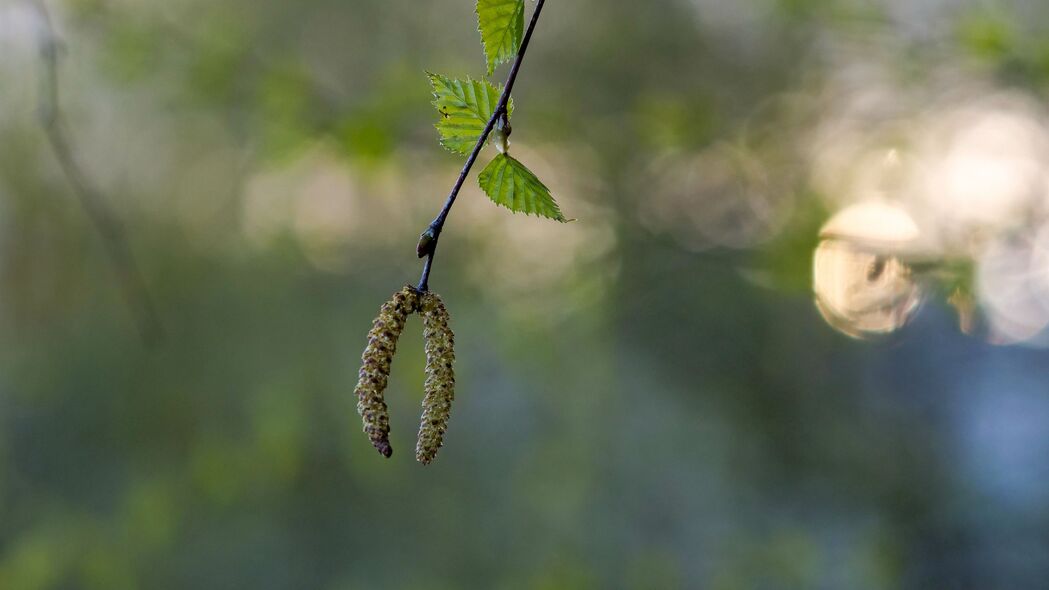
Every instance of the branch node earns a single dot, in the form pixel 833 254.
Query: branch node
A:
pixel 501 133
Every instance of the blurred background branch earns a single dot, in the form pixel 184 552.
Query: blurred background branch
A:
pixel 110 229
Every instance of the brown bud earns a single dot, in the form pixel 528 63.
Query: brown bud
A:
pixel 375 366
pixel 440 377
pixel 427 241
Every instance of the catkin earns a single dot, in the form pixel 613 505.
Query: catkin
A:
pixel 440 377
pixel 375 366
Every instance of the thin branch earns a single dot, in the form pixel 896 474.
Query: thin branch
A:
pixel 428 242
pixel 108 225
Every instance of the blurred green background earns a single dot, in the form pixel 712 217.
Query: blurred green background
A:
pixel 647 397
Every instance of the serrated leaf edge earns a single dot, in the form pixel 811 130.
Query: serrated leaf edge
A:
pixel 513 207
pixel 491 62
pixel 432 76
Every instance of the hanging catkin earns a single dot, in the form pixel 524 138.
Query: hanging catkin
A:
pixel 375 366
pixel 440 377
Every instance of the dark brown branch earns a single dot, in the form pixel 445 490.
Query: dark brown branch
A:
pixel 93 202
pixel 428 242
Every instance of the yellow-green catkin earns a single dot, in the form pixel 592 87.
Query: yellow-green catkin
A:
pixel 375 366
pixel 440 377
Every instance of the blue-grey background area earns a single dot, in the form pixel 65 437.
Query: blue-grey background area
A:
pixel 647 397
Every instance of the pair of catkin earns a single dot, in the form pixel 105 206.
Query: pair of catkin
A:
pixel 440 377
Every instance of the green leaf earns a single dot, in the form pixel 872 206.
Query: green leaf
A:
pixel 508 183
pixel 465 108
pixel 501 23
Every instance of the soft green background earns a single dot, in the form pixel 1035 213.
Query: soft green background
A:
pixel 636 409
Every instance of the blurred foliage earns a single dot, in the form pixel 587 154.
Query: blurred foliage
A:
pixel 640 404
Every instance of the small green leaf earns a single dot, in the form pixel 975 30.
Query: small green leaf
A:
pixel 508 183
pixel 501 23
pixel 465 108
